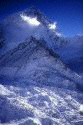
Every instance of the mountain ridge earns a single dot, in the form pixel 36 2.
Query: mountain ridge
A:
pixel 36 86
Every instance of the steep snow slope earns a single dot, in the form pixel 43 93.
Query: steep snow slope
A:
pixel 31 22
pixel 33 61
pixel 36 87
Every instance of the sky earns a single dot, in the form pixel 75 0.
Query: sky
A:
pixel 67 13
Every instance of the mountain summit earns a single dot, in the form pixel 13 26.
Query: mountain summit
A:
pixel 36 87
pixel 17 27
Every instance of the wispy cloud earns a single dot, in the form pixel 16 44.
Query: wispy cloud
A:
pixel 52 26
pixel 31 21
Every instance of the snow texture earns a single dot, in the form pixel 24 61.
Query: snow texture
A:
pixel 36 87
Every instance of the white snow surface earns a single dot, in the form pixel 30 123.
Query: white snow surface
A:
pixel 36 87
pixel 34 105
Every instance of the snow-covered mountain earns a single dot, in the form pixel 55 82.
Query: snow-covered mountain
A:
pixel 31 22
pixel 33 60
pixel 17 27
pixel 36 87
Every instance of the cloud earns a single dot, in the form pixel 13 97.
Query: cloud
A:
pixel 58 34
pixel 31 21
pixel 52 26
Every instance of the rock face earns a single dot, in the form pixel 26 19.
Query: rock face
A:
pixel 36 87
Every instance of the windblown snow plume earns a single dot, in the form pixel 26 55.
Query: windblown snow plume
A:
pixel 32 21
pixel 52 26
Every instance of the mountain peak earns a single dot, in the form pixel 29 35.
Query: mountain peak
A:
pixel 33 11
